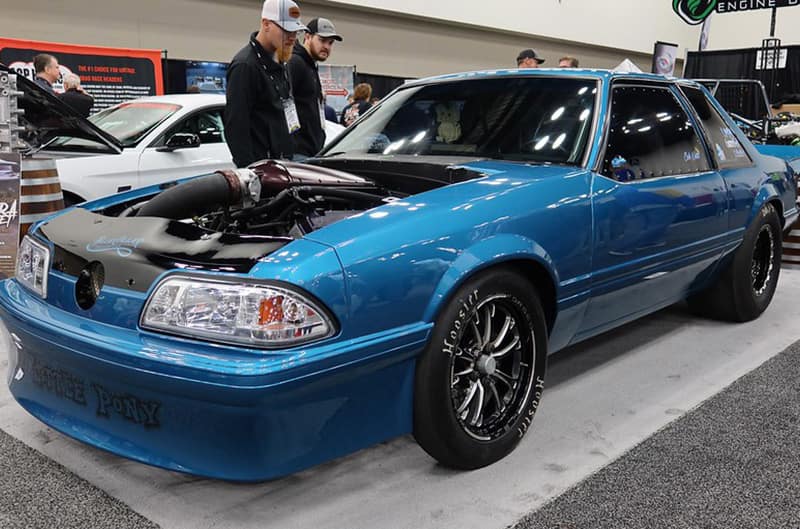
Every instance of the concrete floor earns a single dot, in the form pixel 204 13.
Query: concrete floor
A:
pixel 602 398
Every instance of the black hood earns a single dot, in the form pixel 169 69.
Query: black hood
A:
pixel 47 117
pixel 134 251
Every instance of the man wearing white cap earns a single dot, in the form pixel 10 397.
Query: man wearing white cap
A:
pixel 260 114
pixel 306 85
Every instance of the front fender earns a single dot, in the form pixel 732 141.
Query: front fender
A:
pixel 484 254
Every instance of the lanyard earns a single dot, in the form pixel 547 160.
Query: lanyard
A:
pixel 263 64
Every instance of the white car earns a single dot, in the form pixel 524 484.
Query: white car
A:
pixel 162 138
pixel 134 144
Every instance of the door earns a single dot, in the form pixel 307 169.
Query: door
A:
pixel 159 166
pixel 659 207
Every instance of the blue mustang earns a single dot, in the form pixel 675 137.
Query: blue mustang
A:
pixel 411 278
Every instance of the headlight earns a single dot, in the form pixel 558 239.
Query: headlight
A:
pixel 255 315
pixel 33 264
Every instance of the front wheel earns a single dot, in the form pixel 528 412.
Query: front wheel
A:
pixel 745 288
pixel 480 379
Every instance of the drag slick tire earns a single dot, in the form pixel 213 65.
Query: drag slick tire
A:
pixel 745 288
pixel 481 376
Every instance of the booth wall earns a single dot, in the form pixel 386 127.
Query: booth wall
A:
pixel 376 42
pixel 625 24
pixel 747 29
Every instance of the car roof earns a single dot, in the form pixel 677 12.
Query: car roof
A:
pixel 187 101
pixel 548 72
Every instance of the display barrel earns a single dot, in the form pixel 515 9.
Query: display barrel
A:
pixel 40 192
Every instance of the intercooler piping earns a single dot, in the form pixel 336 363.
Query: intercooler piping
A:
pixel 204 194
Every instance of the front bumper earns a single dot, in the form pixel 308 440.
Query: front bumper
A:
pixel 193 407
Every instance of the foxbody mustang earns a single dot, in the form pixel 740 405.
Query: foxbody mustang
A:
pixel 413 278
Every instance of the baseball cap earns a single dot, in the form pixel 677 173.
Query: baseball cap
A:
pixel 285 13
pixel 324 28
pixel 529 54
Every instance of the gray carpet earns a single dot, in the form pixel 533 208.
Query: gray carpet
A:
pixel 733 462
pixel 37 493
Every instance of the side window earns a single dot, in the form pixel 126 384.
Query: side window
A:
pixel 650 136
pixel 206 124
pixel 728 151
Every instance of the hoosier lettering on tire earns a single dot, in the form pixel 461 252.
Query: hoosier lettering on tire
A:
pixel 480 379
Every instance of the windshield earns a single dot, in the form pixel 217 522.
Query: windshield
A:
pixel 128 122
pixel 532 119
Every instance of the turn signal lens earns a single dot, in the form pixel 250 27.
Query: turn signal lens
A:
pixel 256 315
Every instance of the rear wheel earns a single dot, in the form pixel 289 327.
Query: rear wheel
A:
pixel 745 288
pixel 480 379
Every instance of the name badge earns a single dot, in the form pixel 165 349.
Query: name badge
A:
pixel 292 120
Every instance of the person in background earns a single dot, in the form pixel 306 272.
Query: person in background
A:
pixel 568 62
pixel 47 72
pixel 193 89
pixel 75 96
pixel 260 114
pixel 306 86
pixel 330 113
pixel 361 96
pixel 528 59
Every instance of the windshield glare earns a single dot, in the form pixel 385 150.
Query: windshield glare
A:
pixel 129 122
pixel 531 119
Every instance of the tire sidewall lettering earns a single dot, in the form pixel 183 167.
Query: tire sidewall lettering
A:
pixel 465 313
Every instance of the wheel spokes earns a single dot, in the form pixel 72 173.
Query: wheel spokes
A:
pixel 501 406
pixel 504 351
pixel 477 418
pixel 464 405
pixel 508 324
pixel 477 333
pixel 506 379
pixel 487 330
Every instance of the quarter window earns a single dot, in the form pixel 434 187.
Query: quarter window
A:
pixel 727 149
pixel 650 136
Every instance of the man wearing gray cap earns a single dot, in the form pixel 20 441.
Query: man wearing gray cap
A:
pixel 260 113
pixel 306 85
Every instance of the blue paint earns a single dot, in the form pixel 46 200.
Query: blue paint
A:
pixel 610 251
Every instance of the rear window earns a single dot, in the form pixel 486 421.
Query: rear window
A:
pixel 727 149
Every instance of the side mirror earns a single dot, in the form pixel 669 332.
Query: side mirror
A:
pixel 180 140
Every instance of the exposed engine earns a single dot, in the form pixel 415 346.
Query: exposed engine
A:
pixel 271 198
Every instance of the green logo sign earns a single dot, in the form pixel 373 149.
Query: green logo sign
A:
pixel 694 11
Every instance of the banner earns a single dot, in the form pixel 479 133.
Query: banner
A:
pixel 664 55
pixel 696 11
pixel 337 84
pixel 110 75
pixel 10 164
pixel 732 6
pixel 705 31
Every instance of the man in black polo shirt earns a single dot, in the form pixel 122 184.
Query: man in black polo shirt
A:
pixel 306 85
pixel 260 114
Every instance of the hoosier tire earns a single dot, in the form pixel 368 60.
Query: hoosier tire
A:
pixel 481 376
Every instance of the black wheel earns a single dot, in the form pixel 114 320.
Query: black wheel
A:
pixel 745 288
pixel 481 376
